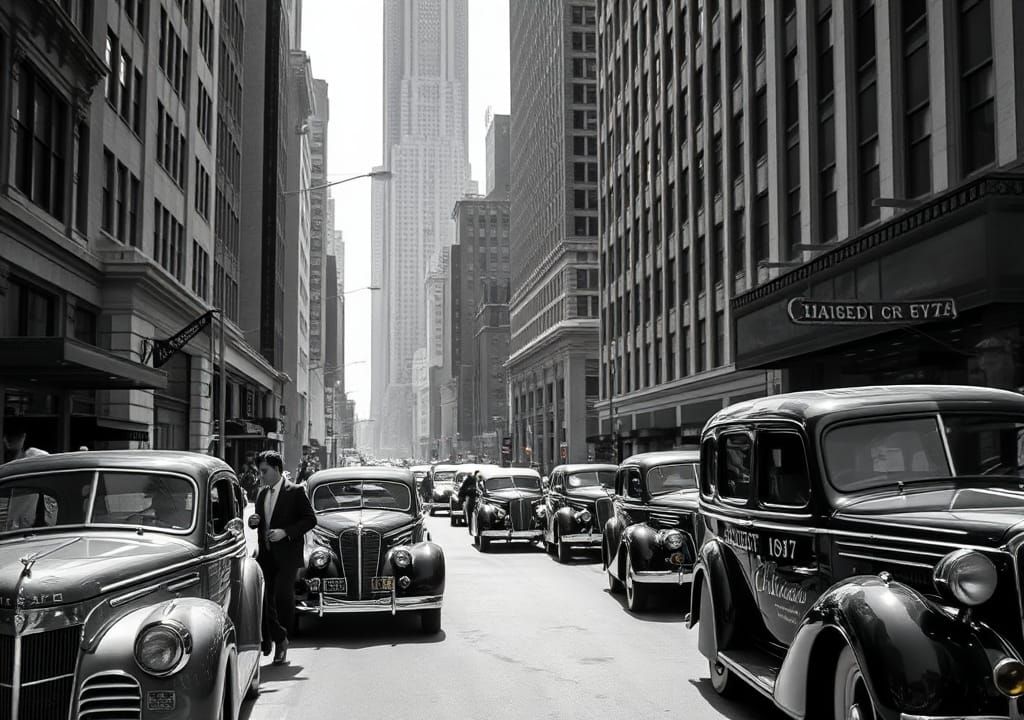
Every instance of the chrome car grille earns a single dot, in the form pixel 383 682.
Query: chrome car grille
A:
pixel 603 511
pixel 662 519
pixel 110 696
pixel 360 560
pixel 520 512
pixel 47 673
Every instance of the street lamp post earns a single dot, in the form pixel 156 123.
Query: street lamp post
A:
pixel 376 174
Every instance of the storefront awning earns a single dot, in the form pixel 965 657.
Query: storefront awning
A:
pixel 68 363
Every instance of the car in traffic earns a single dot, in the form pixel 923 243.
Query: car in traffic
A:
pixel 863 551
pixel 370 551
pixel 649 543
pixel 442 485
pixel 458 501
pixel 572 516
pixel 419 473
pixel 127 585
pixel 507 506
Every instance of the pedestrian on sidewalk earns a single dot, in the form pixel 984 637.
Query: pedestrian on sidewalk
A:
pixel 283 517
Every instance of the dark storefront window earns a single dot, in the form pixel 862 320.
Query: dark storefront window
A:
pixel 977 84
pixel 31 312
pixel 85 325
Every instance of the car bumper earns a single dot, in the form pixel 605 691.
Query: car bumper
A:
pixel 662 577
pixel 393 604
pixel 512 534
pixel 589 538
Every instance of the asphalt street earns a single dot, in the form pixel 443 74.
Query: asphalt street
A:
pixel 522 637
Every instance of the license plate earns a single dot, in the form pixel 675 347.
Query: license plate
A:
pixel 382 583
pixel 334 585
pixel 160 700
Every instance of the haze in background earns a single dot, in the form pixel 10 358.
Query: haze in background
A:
pixel 345 46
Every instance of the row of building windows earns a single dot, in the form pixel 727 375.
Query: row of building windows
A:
pixel 121 200
pixel 171 145
pixel 123 89
pixel 200 270
pixel 206 35
pixel 202 191
pixel 204 112
pixel 168 241
pixel 173 57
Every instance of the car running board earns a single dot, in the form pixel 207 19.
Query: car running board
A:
pixel 756 668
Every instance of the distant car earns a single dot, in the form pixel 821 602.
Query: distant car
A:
pixel 649 543
pixel 419 472
pixel 572 517
pixel 864 550
pixel 369 550
pixel 507 506
pixel 128 589
pixel 442 482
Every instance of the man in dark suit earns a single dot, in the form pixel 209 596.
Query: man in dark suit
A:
pixel 284 517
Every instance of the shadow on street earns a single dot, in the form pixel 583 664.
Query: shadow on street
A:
pixel 665 606
pixel 516 547
pixel 747 705
pixel 581 556
pixel 362 630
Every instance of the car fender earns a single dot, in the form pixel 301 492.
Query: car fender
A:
pixel 199 685
pixel 564 521
pixel 641 542
pixel 247 606
pixel 915 657
pixel 427 570
pixel 611 542
pixel 484 512
pixel 711 571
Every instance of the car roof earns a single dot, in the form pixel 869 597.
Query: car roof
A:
pixel 664 457
pixel 496 471
pixel 809 404
pixel 446 467
pixel 195 465
pixel 419 468
pixel 585 467
pixel 361 472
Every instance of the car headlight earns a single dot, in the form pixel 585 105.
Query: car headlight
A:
pixel 163 648
pixel 319 558
pixel 583 516
pixel 965 576
pixel 402 558
pixel 672 539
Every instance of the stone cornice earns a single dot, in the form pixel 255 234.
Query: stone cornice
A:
pixel 49 21
pixel 980 189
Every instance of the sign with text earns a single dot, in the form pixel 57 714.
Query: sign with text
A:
pixel 164 349
pixel 805 311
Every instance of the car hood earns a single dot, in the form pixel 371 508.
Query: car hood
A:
pixel 71 568
pixel 678 500
pixel 380 520
pixel 512 494
pixel 971 515
pixel 589 493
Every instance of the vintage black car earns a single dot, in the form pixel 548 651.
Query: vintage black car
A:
pixel 127 585
pixel 507 506
pixel 369 551
pixel 649 543
pixel 571 517
pixel 457 508
pixel 863 552
pixel 442 482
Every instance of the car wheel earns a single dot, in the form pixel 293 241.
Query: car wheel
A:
pixel 485 543
pixel 850 692
pixel 253 690
pixel 723 680
pixel 430 621
pixel 614 584
pixel 223 711
pixel 636 593
pixel 562 550
pixel 452 520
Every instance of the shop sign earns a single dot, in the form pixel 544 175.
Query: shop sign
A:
pixel 164 349
pixel 805 311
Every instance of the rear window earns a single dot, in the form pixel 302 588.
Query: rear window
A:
pixel 884 453
pixel 670 478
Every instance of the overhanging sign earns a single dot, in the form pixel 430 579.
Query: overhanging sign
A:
pixel 164 349
pixel 805 311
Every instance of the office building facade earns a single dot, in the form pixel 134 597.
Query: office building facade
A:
pixel 553 363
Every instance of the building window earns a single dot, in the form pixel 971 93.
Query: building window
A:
pixel 868 187
pixel 917 111
pixel 827 209
pixel 111 56
pixel 738 255
pixel 702 346
pixel 40 153
pixel 107 218
pixel 31 312
pixel 977 84
pixel 718 261
pixel 762 241
pixel 121 220
pixel 137 97
pixel 761 130
pixel 719 358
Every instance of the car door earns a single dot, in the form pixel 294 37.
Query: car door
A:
pixel 787 580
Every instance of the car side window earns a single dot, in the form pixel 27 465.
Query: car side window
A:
pixel 558 482
pixel 633 486
pixel 222 506
pixel 783 478
pixel 708 467
pixel 734 466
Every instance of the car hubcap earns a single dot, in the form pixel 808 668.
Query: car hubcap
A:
pixel 629 582
pixel 854 713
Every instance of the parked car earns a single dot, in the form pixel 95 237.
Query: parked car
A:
pixel 442 483
pixel 571 515
pixel 650 541
pixel 507 506
pixel 126 581
pixel 369 550
pixel 863 552
pixel 419 472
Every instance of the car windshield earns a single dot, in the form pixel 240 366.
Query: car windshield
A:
pixel 444 477
pixel 359 494
pixel 986 444
pixel 591 478
pixel 671 478
pixel 74 499
pixel 510 482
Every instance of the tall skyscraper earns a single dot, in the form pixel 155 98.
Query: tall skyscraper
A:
pixel 425 147
pixel 553 365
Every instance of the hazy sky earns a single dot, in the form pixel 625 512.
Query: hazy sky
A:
pixel 344 41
